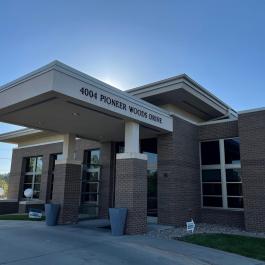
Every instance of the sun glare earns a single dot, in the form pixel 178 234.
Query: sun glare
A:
pixel 112 83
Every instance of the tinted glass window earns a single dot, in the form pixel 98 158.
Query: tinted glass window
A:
pixel 232 153
pixel 233 175
pixel 38 164
pixel 235 202
pixel 210 154
pixel 212 189
pixel 212 201
pixel 234 189
pixel 211 175
pixel 32 176
pixel 92 157
pixel 30 164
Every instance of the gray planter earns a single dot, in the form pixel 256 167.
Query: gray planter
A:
pixel 51 213
pixel 118 220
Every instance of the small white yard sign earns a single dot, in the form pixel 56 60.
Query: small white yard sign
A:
pixel 190 226
pixel 35 214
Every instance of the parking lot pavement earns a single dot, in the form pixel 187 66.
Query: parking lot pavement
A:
pixel 35 243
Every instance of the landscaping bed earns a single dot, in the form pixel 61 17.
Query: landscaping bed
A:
pixel 19 217
pixel 226 238
pixel 172 232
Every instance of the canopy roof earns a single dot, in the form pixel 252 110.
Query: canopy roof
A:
pixel 60 99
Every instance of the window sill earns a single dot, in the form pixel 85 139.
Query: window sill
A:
pixel 224 209
pixel 33 201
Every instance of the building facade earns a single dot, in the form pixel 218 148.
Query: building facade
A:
pixel 169 149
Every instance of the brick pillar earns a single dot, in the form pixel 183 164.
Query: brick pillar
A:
pixel 178 180
pixel 131 190
pixel 66 190
pixel 252 153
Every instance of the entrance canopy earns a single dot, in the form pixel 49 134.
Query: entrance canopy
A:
pixel 60 99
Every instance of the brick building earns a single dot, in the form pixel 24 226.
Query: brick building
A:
pixel 169 149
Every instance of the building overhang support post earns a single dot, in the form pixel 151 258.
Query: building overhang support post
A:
pixel 131 181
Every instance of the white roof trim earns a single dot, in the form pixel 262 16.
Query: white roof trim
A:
pixel 251 110
pixel 39 144
pixel 61 67
pixel 188 81
pixel 18 133
pixel 217 121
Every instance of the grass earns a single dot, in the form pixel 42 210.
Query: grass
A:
pixel 19 217
pixel 251 247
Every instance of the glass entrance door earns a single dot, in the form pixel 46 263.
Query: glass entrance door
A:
pixel 90 192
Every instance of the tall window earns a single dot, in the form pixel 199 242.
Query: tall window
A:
pixel 90 184
pixel 220 174
pixel 32 176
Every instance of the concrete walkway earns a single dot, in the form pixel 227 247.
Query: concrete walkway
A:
pixel 35 243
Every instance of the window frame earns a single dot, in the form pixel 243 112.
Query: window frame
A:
pixel 32 173
pixel 91 167
pixel 223 167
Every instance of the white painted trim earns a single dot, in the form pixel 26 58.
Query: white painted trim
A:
pixel 223 173
pixel 8 200
pixel 33 145
pixel 251 110
pixel 223 209
pixel 18 133
pixel 70 71
pixel 59 72
pixel 215 122
pixel 222 167
pixel 131 155
pixel 67 161
pixel 131 139
pixel 32 201
pixel 202 123
pixel 188 81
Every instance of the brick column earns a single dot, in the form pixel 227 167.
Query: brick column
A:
pixel 252 154
pixel 67 189
pixel 131 190
pixel 178 174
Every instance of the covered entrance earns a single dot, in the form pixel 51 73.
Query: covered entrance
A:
pixel 60 99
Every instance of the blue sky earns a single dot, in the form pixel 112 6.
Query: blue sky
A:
pixel 220 44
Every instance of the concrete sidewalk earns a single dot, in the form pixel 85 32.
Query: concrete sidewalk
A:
pixel 35 243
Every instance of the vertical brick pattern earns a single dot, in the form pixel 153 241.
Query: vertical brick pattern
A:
pixel 179 174
pixel 218 130
pixel 252 139
pixel 223 217
pixel 131 192
pixel 66 191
